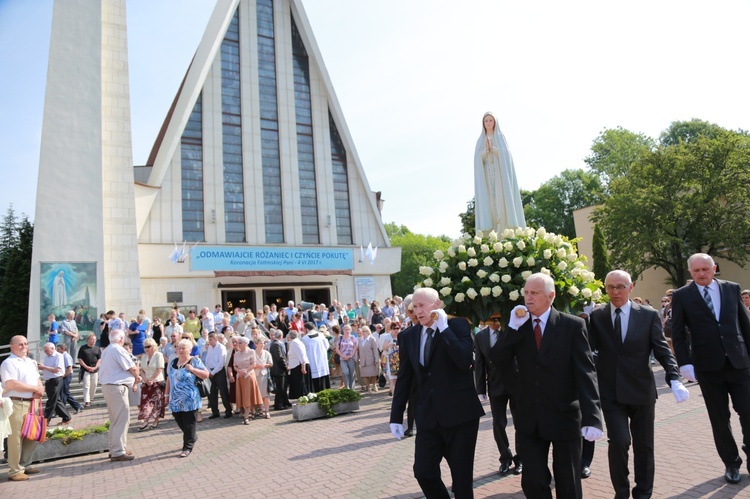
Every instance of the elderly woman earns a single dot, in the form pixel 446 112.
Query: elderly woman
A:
pixel 336 368
pixel 347 350
pixel 232 348
pixel 263 364
pixel 243 370
pixel 390 351
pixel 152 385
pixel 195 351
pixel 369 359
pixel 182 394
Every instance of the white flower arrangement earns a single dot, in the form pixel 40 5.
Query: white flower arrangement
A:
pixel 477 287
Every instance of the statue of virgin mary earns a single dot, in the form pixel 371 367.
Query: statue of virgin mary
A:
pixel 497 199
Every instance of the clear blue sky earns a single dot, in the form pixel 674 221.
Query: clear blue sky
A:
pixel 414 78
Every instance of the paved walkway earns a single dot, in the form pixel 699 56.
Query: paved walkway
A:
pixel 349 456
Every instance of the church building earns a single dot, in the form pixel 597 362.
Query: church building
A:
pixel 253 192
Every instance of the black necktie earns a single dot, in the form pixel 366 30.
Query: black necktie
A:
pixel 427 344
pixel 709 301
pixel 618 326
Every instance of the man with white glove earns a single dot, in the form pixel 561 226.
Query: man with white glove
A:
pixel 716 352
pixel 436 357
pixel 624 334
pixel 557 387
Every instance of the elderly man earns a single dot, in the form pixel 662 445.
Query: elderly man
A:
pixel 21 383
pixel 216 356
pixel 559 399
pixel 437 356
pixel 299 367
pixel 719 334
pixel 316 346
pixel 89 358
pixel 118 374
pixel 65 396
pixel 69 330
pixel 625 335
pixel 53 370
pixel 208 322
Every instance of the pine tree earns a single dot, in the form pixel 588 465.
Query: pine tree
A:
pixel 600 254
pixel 15 259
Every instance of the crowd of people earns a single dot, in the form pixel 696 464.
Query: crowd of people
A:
pixel 598 370
pixel 245 359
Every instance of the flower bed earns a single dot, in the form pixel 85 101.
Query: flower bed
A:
pixel 326 403
pixel 480 276
pixel 67 442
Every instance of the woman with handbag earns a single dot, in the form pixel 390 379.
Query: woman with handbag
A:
pixel 182 394
pixel 152 386
pixel 243 370
pixel 263 364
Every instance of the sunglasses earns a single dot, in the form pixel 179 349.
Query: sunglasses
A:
pixel 147 347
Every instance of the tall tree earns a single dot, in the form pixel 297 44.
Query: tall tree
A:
pixel 680 198
pixel 14 283
pixel 552 205
pixel 614 151
pixel 468 219
pixel 600 254
pixel 416 250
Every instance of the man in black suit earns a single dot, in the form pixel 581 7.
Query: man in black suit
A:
pixel 279 371
pixel 625 334
pixel 558 400
pixel 719 333
pixel 501 391
pixel 438 358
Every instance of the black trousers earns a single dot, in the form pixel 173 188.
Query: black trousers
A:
pixel 717 387
pixel 281 397
pixel 566 465
pixel 321 383
pixel 187 421
pixel 587 452
pixel 219 386
pixel 65 395
pixel 456 444
pixel 411 409
pixel 622 421
pixel 52 388
pixel 499 405
pixel 299 384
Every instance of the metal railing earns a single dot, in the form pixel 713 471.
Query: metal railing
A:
pixel 35 350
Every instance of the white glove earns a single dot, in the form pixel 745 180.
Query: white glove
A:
pixel 591 434
pixel 688 372
pixel 681 394
pixel 397 430
pixel 482 397
pixel 442 319
pixel 515 321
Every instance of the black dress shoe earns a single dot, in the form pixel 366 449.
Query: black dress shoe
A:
pixel 585 472
pixel 408 432
pixel 227 415
pixel 214 416
pixel 732 475
pixel 504 468
pixel 518 469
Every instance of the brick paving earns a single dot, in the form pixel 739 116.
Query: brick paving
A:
pixel 350 456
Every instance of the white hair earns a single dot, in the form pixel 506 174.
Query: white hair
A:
pixel 701 256
pixel 48 344
pixel 185 343
pixel 549 283
pixel 244 339
pixel 116 335
pixel 429 293
pixel 620 273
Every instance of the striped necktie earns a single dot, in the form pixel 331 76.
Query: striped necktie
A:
pixel 709 301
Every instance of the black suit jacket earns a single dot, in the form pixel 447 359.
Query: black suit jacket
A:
pixel 278 354
pixel 711 340
pixel 624 368
pixel 446 395
pixel 558 391
pixel 487 372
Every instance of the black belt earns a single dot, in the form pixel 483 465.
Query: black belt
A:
pixel 21 399
pixel 115 384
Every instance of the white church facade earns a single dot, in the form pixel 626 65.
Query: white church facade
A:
pixel 254 173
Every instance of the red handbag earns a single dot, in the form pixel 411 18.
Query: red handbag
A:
pixel 34 425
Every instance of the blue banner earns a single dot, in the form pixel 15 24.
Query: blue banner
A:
pixel 264 258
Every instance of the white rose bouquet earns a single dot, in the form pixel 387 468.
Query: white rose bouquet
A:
pixel 477 288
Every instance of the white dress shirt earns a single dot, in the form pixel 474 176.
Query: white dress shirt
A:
pixel 115 365
pixel 624 317
pixel 215 358
pixel 297 353
pixel 23 370
pixel 543 320
pixel 57 361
